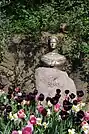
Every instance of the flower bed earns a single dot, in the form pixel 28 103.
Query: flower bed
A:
pixel 23 113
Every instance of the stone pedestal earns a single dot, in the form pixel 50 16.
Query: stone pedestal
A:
pixel 50 79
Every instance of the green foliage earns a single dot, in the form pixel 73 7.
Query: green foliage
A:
pixel 43 15
pixel 32 16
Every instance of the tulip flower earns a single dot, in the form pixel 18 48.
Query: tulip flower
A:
pixel 27 129
pixel 33 119
pixel 57 107
pixel 71 131
pixel 86 117
pixel 39 121
pixel 15 132
pixel 21 114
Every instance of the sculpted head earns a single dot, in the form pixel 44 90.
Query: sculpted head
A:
pixel 52 42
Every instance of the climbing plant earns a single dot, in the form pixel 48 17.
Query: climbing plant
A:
pixel 32 16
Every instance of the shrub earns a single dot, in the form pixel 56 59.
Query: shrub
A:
pixel 36 16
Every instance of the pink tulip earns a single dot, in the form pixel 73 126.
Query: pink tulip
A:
pixel 15 132
pixel 57 107
pixel 86 117
pixel 40 108
pixel 21 114
pixel 28 129
pixel 33 119
pixel 17 89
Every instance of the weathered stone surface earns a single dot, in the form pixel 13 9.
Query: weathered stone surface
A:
pixel 46 35
pixel 14 73
pixel 50 79
pixel 53 59
pixel 80 84
pixel 4 81
pixel 20 58
pixel 17 38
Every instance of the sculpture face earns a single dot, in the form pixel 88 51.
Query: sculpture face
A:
pixel 53 42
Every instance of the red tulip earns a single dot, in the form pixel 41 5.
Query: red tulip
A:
pixel 84 123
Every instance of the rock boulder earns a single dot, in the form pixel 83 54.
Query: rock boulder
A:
pixel 50 79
